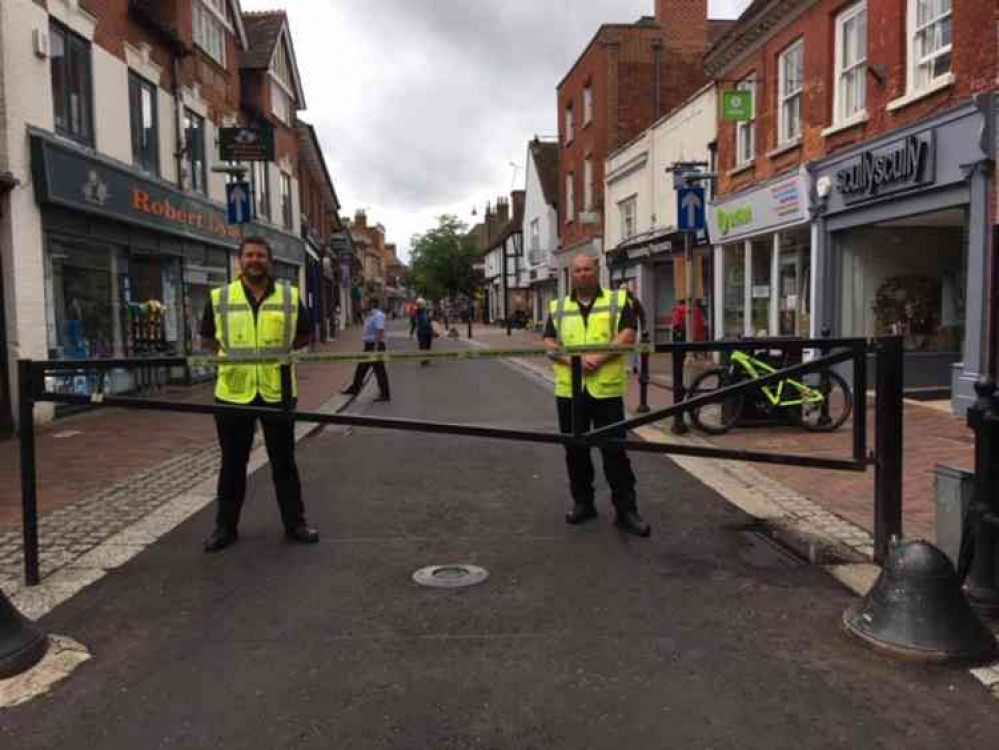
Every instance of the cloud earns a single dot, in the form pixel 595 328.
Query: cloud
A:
pixel 421 105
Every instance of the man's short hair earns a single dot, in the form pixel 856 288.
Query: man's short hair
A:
pixel 256 240
pixel 373 302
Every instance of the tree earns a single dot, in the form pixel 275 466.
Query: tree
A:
pixel 442 261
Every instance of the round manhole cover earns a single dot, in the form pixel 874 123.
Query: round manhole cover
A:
pixel 450 576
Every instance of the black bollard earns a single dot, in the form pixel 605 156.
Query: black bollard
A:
pixel 643 379
pixel 979 559
pixel 679 392
pixel 22 644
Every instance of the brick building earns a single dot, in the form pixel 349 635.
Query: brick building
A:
pixel 113 229
pixel 855 199
pixel 375 258
pixel 627 77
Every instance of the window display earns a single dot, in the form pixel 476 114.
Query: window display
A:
pixel 793 283
pixel 734 290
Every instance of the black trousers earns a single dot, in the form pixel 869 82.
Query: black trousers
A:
pixel 236 440
pixel 380 374
pixel 598 412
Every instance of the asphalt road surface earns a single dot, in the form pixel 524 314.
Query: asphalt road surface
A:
pixel 699 637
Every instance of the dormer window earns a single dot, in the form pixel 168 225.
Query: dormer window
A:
pixel 282 86
pixel 212 21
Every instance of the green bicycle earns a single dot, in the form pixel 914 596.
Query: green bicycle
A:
pixel 818 402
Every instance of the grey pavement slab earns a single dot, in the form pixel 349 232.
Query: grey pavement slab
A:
pixel 580 638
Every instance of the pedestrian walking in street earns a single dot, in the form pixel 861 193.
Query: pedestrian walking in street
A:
pixel 250 317
pixel 591 315
pixel 411 314
pixel 373 337
pixel 424 329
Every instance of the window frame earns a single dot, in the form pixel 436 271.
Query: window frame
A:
pixel 535 235
pixel 915 64
pixel 588 192
pixel 137 85
pixel 70 39
pixel 198 178
pixel 587 104
pixel 287 204
pixel 628 209
pixel 570 197
pixel 841 71
pixel 570 130
pixel 785 99
pixel 748 83
pixel 260 185
pixel 203 11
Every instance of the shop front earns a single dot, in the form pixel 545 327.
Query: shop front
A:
pixel 763 260
pixel 130 262
pixel 901 225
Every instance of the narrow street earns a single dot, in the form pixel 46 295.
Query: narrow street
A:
pixel 700 637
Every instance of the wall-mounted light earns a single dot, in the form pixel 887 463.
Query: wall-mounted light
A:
pixel 823 186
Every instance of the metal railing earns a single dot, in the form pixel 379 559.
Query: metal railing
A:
pixel 887 457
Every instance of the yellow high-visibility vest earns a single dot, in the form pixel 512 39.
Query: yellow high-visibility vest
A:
pixel 271 334
pixel 610 380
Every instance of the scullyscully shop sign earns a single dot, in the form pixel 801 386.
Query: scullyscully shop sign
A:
pixel 892 168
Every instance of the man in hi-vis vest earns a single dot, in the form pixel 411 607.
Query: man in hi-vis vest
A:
pixel 255 317
pixel 591 315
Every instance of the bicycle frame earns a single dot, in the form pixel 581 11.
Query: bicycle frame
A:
pixel 756 369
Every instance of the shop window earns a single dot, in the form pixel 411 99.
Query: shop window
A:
pixel 745 131
pixel 930 42
pixel 850 95
pixel 734 290
pixel 72 84
pixel 759 309
pixel 194 131
pixel 907 277
pixel 145 137
pixel 790 67
pixel 793 283
pixel 199 280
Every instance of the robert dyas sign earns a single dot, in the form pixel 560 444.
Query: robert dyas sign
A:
pixel 892 168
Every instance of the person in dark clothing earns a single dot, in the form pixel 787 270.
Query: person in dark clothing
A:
pixel 255 292
pixel 424 329
pixel 373 338
pixel 587 317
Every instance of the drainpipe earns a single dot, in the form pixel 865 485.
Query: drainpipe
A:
pixel 178 112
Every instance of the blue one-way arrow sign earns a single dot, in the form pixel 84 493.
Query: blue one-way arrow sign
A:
pixel 239 205
pixel 690 209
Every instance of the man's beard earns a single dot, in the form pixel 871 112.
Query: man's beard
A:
pixel 586 287
pixel 255 272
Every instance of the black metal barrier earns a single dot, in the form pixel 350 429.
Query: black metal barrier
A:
pixel 887 458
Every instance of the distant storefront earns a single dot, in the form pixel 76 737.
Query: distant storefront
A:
pixel 763 260
pixel 901 224
pixel 129 260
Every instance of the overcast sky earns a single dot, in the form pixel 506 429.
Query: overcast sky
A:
pixel 421 105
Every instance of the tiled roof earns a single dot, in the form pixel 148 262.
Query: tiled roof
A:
pixel 545 155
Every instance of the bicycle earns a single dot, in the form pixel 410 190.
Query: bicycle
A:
pixel 819 402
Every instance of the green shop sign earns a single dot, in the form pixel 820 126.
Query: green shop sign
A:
pixel 737 217
pixel 737 106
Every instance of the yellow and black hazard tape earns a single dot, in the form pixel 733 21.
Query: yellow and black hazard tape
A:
pixel 412 356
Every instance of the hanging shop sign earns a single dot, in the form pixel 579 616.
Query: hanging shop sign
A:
pixel 895 167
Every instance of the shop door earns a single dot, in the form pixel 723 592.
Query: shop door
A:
pixel 665 301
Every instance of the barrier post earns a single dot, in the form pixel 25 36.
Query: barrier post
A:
pixel 577 397
pixel 643 378
pixel 679 392
pixel 29 470
pixel 888 446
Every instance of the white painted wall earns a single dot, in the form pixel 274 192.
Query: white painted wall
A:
pixel 112 122
pixel 638 168
pixel 535 208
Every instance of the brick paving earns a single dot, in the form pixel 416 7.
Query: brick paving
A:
pixel 100 471
pixel 930 437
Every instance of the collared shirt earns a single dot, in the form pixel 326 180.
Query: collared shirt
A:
pixel 303 327
pixel 374 323
pixel 627 319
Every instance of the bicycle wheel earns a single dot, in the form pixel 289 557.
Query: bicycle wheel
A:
pixel 835 407
pixel 718 417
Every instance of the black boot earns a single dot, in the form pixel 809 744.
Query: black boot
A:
pixel 632 523
pixel 581 513
pixel 220 539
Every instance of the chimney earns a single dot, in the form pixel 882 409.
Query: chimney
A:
pixel 685 23
pixel 503 210
pixel 518 197
pixel 361 219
